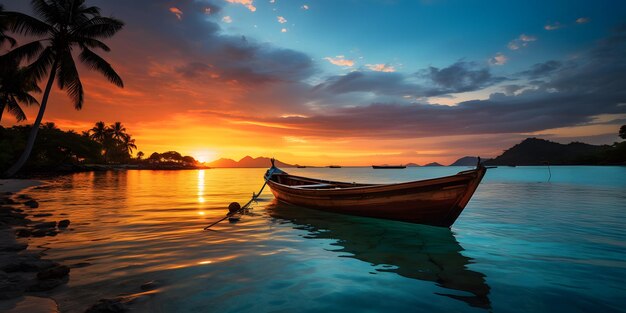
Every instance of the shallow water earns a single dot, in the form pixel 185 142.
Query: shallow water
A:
pixel 523 244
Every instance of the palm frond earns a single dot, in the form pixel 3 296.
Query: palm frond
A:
pixel 93 43
pixel 68 78
pixel 14 108
pixel 48 11
pixel 95 62
pixel 99 27
pixel 26 25
pixel 28 51
pixel 42 65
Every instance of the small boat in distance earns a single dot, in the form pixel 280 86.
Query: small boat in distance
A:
pixel 381 167
pixel 436 202
pixel 334 166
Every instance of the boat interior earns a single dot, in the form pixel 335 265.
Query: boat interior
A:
pixel 310 183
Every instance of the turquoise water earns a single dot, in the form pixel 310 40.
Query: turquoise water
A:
pixel 523 244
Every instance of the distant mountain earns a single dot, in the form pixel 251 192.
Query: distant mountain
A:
pixel 433 164
pixel 468 161
pixel 247 161
pixel 534 151
pixel 412 165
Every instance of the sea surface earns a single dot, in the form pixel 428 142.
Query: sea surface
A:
pixel 532 239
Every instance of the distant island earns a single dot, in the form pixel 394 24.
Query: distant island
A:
pixel 246 162
pixel 535 151
pixel 432 164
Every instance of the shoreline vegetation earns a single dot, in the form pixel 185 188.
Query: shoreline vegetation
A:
pixel 100 148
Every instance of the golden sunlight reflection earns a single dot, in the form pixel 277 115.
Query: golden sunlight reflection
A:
pixel 201 190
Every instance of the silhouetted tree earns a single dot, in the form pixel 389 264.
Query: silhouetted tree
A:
pixel 65 25
pixel 140 155
pixel 622 132
pixel 118 131
pixel 15 87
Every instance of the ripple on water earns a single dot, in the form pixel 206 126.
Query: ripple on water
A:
pixel 521 245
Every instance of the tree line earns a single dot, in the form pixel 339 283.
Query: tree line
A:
pixel 59 28
pixel 59 150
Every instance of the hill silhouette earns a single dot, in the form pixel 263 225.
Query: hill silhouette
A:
pixel 534 151
pixel 468 161
pixel 247 162
pixel 433 164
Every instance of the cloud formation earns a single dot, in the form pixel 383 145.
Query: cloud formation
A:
pixel 521 42
pixel 340 60
pixel 381 67
pixel 553 26
pixel 582 20
pixel 177 12
pixel 247 3
pixel 498 59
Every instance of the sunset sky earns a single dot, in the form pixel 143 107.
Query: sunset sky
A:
pixel 351 82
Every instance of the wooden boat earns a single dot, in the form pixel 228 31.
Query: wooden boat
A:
pixel 383 167
pixel 436 202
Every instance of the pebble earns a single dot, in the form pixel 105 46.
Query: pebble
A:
pixel 64 223
pixel 31 204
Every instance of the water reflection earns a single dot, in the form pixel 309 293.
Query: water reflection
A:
pixel 413 251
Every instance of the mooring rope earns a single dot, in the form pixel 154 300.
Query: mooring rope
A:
pixel 267 177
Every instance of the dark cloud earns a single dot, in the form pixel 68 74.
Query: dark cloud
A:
pixel 541 70
pixel 571 95
pixel 197 38
pixel 385 83
pixel 461 77
pixel 458 77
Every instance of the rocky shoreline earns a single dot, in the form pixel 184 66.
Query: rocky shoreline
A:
pixel 26 277
pixel 25 274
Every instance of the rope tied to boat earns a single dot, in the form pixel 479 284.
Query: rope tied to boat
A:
pixel 232 208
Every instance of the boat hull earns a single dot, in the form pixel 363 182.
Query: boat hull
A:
pixel 436 202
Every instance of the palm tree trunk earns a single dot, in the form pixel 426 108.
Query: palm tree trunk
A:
pixel 33 132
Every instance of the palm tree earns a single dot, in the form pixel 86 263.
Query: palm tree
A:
pixel 3 28
pixel 140 155
pixel 99 132
pixel 118 130
pixel 15 88
pixel 127 145
pixel 65 25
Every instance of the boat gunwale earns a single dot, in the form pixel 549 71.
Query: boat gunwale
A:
pixel 372 187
